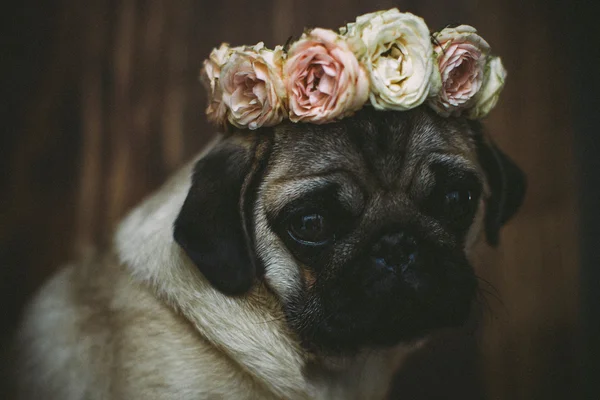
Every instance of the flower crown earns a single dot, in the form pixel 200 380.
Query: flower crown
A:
pixel 388 58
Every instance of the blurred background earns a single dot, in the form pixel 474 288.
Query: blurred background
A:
pixel 100 103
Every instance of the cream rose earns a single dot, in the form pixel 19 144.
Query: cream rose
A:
pixel 323 78
pixel 461 56
pixel 493 83
pixel 252 87
pixel 216 110
pixel 396 50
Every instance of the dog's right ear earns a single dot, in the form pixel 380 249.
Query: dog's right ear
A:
pixel 213 224
pixel 507 186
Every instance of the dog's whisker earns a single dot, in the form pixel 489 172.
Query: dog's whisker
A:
pixel 486 308
pixel 488 283
pixel 493 294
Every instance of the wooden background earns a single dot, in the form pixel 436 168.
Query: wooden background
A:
pixel 102 103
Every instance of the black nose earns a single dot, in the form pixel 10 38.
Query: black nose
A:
pixel 395 252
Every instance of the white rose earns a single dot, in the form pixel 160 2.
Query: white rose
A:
pixel 396 50
pixel 493 83
pixel 252 87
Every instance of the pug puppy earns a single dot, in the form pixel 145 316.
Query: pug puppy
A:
pixel 295 262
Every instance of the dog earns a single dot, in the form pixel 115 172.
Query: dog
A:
pixel 295 262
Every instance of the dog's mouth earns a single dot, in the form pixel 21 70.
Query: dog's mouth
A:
pixel 367 313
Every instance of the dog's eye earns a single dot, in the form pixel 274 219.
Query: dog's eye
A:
pixel 309 229
pixel 454 198
pixel 458 203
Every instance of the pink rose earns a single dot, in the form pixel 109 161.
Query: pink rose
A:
pixel 461 55
pixel 253 88
pixel 323 78
pixel 216 111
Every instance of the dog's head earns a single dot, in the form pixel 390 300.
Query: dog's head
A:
pixel 361 227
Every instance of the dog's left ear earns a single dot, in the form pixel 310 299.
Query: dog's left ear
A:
pixel 507 184
pixel 214 224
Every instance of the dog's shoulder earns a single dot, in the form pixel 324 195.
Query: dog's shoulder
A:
pixel 65 325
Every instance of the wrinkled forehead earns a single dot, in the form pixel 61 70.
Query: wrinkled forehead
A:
pixel 372 146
